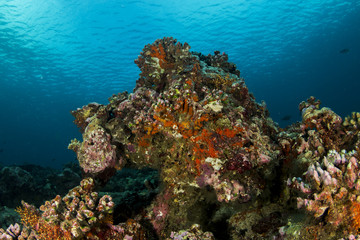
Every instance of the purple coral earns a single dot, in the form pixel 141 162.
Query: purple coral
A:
pixel 96 155
pixel 160 211
pixel 16 231
pixel 226 190
pixel 333 183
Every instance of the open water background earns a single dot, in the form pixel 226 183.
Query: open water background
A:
pixel 57 55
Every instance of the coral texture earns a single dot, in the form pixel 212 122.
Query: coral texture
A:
pixel 17 231
pixel 332 190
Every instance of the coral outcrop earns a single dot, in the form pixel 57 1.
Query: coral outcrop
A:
pixel 226 170
pixel 194 121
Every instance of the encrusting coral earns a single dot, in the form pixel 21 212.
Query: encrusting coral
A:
pixel 224 165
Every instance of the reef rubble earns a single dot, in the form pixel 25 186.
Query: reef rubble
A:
pixel 226 169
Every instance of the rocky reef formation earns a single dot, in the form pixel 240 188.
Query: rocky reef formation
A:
pixel 35 183
pixel 227 171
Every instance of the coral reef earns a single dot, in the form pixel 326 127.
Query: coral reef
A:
pixel 224 169
pixel 194 121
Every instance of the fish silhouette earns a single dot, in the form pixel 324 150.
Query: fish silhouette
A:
pixel 344 51
pixel 286 118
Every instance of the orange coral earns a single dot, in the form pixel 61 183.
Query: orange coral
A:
pixel 51 231
pixel 184 120
pixel 229 133
pixel 29 216
pixel 159 53
pixel 204 144
pixel 355 214
pixel 46 231
pixel 203 147
pixel 181 119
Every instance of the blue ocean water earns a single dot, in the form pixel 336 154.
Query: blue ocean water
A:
pixel 57 55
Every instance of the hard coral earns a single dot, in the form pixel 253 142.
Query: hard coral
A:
pixel 17 231
pixel 78 215
pixel 332 190
pixel 75 216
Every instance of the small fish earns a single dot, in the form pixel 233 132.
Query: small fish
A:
pixel 286 118
pixel 344 51
pixel 1 150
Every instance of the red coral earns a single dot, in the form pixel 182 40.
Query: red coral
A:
pixel 158 52
pixel 355 215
